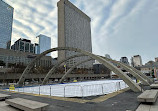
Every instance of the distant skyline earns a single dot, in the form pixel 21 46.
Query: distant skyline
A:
pixel 118 27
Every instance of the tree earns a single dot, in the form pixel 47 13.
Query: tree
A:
pixel 2 63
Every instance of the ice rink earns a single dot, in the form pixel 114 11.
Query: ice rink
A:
pixel 79 89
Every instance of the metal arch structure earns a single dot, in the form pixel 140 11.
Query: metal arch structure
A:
pixel 71 69
pixel 129 69
pixel 52 70
pixel 134 69
pixel 126 67
pixel 122 75
pixel 142 75
pixel 145 82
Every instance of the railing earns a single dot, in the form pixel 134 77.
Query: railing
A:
pixel 66 90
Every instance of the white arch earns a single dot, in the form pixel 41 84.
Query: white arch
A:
pixel 142 79
pixel 70 70
pixel 52 70
pixel 109 65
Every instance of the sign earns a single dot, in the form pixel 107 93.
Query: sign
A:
pixel 137 81
pixel 12 87
pixel 75 81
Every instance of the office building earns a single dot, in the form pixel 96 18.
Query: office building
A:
pixel 99 68
pixel 44 43
pixel 37 50
pixel 156 59
pixel 150 69
pixel 12 57
pixel 107 56
pixel 136 61
pixel 6 19
pixel 124 60
pixel 23 45
pixel 74 30
pixel 54 61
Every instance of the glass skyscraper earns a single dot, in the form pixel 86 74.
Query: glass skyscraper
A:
pixel 23 45
pixel 6 19
pixel 44 43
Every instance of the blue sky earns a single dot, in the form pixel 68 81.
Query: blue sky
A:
pixel 119 27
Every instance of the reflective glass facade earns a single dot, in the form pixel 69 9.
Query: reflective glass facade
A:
pixel 23 45
pixel 44 43
pixel 6 19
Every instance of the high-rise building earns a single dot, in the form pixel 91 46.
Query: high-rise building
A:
pixel 124 60
pixel 107 56
pixel 44 43
pixel 74 30
pixel 23 45
pixel 101 69
pixel 136 61
pixel 6 19
pixel 156 59
pixel 37 51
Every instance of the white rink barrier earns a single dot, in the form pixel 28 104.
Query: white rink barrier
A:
pixel 80 89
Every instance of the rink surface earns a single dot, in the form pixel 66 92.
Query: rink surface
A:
pixel 79 89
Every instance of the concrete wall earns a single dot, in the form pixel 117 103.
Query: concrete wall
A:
pixel 73 31
pixel 4 70
pixel 23 58
pixel 34 76
pixel 136 61
pixel 61 29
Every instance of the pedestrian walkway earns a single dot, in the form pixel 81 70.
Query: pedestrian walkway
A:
pixel 148 107
pixel 5 107
pixel 26 105
pixel 115 102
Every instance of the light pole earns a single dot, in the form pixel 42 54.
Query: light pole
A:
pixel 65 68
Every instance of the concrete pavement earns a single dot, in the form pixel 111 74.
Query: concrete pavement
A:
pixel 120 101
